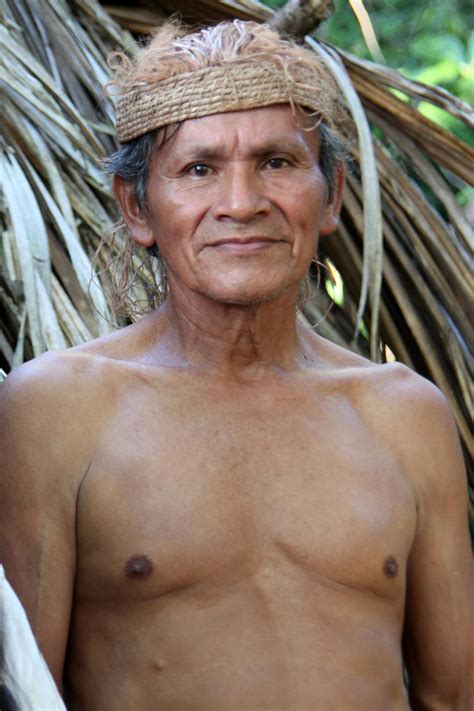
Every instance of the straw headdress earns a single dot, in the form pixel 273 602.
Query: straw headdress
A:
pixel 229 67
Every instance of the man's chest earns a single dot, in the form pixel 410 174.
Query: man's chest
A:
pixel 186 490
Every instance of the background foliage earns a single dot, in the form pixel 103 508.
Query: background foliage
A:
pixel 429 42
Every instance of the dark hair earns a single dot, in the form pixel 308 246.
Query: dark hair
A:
pixel 132 160
pixel 331 152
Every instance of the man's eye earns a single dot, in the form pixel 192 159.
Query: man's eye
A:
pixel 276 163
pixel 199 170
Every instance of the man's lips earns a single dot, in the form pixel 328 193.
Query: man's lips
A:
pixel 244 244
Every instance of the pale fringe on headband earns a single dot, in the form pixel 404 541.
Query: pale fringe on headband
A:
pixel 232 66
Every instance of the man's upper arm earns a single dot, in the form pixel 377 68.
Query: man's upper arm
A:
pixel 440 594
pixel 37 503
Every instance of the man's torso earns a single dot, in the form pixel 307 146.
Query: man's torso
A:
pixel 240 545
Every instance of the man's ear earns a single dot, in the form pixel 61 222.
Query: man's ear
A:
pixel 132 213
pixel 330 219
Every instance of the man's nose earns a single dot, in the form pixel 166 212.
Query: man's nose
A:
pixel 242 195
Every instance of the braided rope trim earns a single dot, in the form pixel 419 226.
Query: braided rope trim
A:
pixel 214 90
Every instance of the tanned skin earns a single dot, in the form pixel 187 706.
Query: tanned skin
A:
pixel 216 508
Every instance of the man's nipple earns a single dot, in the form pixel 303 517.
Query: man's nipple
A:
pixel 390 567
pixel 138 567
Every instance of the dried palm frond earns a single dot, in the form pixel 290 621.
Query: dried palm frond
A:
pixel 401 251
pixel 55 131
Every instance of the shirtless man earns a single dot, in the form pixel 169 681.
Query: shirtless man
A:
pixel 215 508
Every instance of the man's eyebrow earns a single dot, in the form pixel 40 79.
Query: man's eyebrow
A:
pixel 285 145
pixel 198 152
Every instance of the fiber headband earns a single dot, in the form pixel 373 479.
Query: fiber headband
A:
pixel 219 89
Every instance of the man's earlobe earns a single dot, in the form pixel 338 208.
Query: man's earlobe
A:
pixel 132 213
pixel 330 219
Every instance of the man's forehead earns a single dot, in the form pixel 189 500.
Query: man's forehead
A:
pixel 251 130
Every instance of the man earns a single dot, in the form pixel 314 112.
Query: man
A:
pixel 215 508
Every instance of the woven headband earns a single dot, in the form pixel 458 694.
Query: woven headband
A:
pixel 215 90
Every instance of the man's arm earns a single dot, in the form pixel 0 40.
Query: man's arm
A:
pixel 438 637
pixel 39 467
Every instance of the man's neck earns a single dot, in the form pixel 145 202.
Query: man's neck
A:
pixel 234 341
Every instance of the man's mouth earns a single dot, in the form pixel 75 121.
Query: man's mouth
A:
pixel 244 245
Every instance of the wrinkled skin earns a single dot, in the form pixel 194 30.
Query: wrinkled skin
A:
pixel 215 508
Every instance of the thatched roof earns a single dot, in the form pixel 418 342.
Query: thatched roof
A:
pixel 401 252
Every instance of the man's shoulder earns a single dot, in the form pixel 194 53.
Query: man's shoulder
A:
pixel 401 387
pixel 414 418
pixel 400 399
pixel 394 384
pixel 406 396
pixel 67 372
pixel 399 405
pixel 43 392
pixel 40 380
pixel 49 399
pixel 39 413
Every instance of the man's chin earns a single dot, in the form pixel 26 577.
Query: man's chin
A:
pixel 242 297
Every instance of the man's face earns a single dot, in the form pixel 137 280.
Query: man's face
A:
pixel 236 202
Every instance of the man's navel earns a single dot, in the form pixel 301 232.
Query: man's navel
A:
pixel 138 567
pixel 159 665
